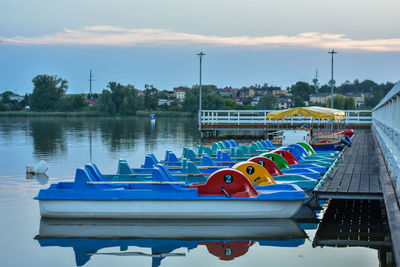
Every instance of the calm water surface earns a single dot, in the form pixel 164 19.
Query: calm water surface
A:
pixel 67 144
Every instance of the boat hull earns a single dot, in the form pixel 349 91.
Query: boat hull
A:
pixel 169 209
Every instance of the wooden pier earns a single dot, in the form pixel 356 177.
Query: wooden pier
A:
pixel 361 173
pixel 356 175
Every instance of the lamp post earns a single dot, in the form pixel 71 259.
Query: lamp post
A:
pixel 201 54
pixel 332 82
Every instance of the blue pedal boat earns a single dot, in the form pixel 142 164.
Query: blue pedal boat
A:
pixel 226 194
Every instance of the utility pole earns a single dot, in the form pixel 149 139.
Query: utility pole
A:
pixel 332 82
pixel 201 54
pixel 90 84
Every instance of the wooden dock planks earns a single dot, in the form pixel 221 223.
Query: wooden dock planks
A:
pixel 356 175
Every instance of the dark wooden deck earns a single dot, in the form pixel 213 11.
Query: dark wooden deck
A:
pixel 356 174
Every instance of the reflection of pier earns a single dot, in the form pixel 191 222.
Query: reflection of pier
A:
pixel 360 223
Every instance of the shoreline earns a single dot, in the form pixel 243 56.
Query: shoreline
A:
pixel 83 114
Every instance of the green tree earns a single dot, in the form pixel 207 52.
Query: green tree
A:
pixel 298 101
pixel 349 103
pixel 73 102
pixel 150 97
pixel 373 99
pixel 106 103
pixel 303 90
pixel 268 101
pixel 338 102
pixel 47 92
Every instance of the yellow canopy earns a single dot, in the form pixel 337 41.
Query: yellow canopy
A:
pixel 314 112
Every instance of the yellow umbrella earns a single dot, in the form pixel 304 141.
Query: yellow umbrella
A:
pixel 314 112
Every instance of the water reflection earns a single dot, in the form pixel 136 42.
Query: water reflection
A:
pixel 55 137
pixel 225 239
pixel 41 178
pixel 48 137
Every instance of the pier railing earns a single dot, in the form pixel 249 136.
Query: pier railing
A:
pixel 238 118
pixel 386 123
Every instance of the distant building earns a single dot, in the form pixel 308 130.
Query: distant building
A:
pixel 91 101
pixel 359 99
pixel 239 100
pixel 319 98
pixel 227 92
pixel 15 97
pixel 284 102
pixel 180 93
pixel 164 102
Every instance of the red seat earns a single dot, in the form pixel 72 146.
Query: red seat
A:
pixel 287 156
pixel 268 164
pixel 226 182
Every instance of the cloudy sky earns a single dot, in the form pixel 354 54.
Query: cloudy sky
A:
pixel 155 42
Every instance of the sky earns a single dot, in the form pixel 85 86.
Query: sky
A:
pixel 155 42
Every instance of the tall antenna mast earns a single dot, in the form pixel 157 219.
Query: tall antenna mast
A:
pixel 315 81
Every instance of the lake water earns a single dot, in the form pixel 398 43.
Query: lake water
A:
pixel 67 144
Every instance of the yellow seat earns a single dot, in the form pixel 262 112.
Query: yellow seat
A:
pixel 256 173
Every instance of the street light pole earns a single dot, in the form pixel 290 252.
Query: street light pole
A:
pixel 332 81
pixel 201 54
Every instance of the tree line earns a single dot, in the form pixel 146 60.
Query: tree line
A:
pixel 49 94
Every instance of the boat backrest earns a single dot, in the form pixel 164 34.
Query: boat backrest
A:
pixel 300 149
pixel 221 145
pixel 149 162
pixel 190 154
pixel 227 182
pixel 88 174
pixel 307 147
pixel 171 159
pixel 191 168
pixel 225 157
pixel 287 156
pixel 233 143
pixel 99 174
pixel 207 161
pixel 123 167
pixel 268 143
pixel 166 175
pixel 278 159
pixel 256 173
pixel 227 144
pixel 268 164
pixel 214 147
pixel 295 153
pixel 239 152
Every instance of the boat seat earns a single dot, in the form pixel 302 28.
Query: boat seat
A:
pixel 207 161
pixel 278 160
pixel 149 161
pixel 256 173
pixel 287 156
pixel 268 164
pixel 228 182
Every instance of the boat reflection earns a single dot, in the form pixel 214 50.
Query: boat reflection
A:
pixel 225 239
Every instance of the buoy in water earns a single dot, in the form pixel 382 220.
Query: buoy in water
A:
pixel 41 167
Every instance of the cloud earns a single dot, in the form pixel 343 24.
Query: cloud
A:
pixel 105 35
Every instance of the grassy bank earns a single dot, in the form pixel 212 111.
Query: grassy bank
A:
pixel 143 113
pixel 52 114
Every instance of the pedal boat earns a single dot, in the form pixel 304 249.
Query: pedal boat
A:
pixel 226 194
